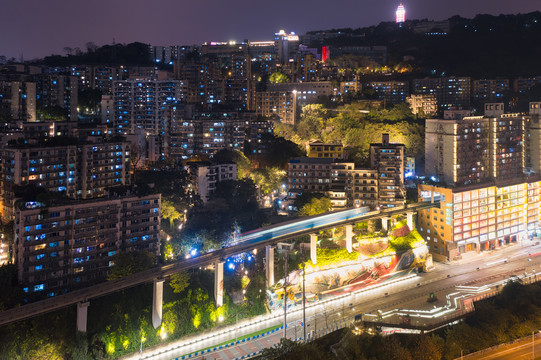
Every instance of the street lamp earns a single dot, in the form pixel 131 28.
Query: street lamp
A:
pixel 237 325
pixel 286 278
pixel 533 344
pixel 303 297
pixel 141 347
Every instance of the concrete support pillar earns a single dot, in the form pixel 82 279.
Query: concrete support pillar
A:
pixel 157 303
pixel 269 265
pixel 410 220
pixel 313 248
pixel 385 223
pixel 82 315
pixel 349 238
pixel 219 283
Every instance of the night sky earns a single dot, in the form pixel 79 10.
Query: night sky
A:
pixel 36 28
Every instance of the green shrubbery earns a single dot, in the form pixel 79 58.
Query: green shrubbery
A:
pixel 332 257
pixel 409 240
pixel 118 322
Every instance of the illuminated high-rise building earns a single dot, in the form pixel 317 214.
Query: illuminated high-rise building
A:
pixel 142 104
pixel 495 139
pixel 400 14
pixel 286 46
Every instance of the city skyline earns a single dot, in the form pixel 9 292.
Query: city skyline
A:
pixel 240 179
pixel 55 26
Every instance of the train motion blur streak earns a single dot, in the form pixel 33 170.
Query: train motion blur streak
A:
pixel 296 226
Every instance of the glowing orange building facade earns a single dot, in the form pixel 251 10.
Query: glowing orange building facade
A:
pixel 480 217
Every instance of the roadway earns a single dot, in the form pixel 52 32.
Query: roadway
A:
pixel 322 317
pixel 246 242
pixel 524 349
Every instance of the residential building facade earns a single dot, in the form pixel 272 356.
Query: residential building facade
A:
pixel 143 104
pixel 425 104
pixel 388 159
pixel 319 149
pixel 451 92
pixel 277 104
pixel 57 91
pixel 392 92
pixel 206 175
pixel 81 171
pixel 497 143
pixel 60 248
pixel 381 185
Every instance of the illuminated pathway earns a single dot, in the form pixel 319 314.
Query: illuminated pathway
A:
pixel 485 268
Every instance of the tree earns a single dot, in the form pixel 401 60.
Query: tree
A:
pixel 179 282
pixel 172 184
pixel 425 347
pixel 129 263
pixel 393 349
pixel 280 151
pixel 225 156
pixel 89 100
pixel 316 206
pixel 202 240
pixel 284 347
pixel 10 291
pixel 313 121
pixel 239 194
pixel 56 113
pixel 289 349
pixel 170 212
pixel 91 47
pixel 268 179
pixel 46 351
pixel 278 77
pixel 233 202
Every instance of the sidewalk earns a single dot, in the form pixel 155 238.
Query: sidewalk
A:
pixel 472 256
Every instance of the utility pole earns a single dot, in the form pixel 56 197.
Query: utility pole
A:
pixel 303 297
pixel 315 325
pixel 236 328
pixel 285 296
pixel 533 345
pixel 141 348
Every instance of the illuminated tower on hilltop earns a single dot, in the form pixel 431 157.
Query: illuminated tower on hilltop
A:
pixel 400 14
